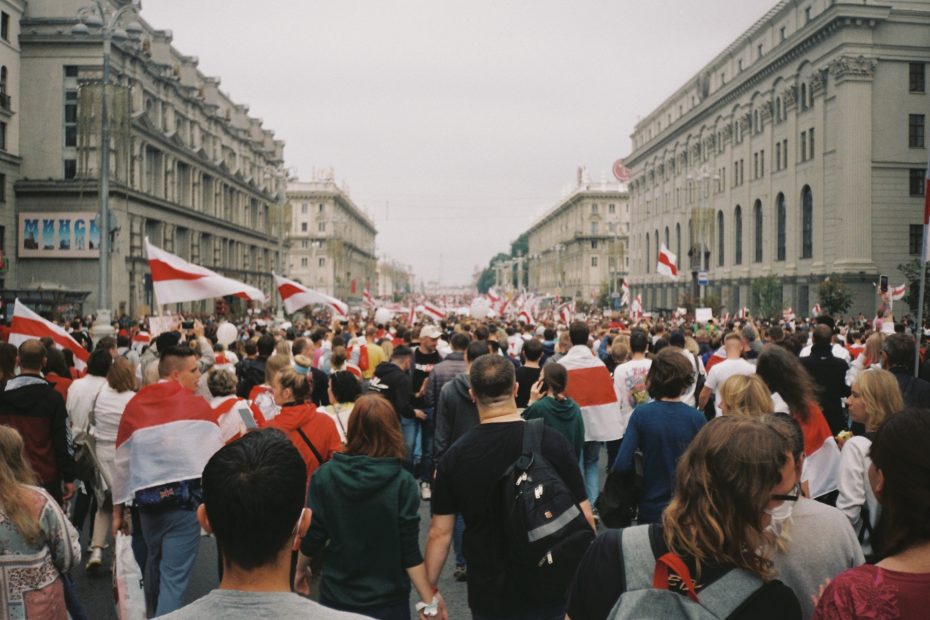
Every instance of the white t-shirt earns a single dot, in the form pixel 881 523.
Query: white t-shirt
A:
pixel 723 371
pixel 689 397
pixel 838 350
pixel 630 386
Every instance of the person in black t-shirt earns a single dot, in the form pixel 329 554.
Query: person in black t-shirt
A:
pixel 425 358
pixel 733 475
pixel 528 374
pixel 467 474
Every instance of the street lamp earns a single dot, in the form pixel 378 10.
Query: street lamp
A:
pixel 94 17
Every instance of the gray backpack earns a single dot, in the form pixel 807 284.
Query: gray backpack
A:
pixel 646 593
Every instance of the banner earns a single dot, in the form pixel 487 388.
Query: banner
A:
pixel 58 234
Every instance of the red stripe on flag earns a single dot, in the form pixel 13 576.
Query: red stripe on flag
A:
pixel 816 430
pixel 590 386
pixel 289 290
pixel 162 271
pixel 663 259
pixel 37 329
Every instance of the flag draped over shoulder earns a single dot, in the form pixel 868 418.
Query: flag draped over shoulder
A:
pixel 296 296
pixel 167 434
pixel 591 386
pixel 28 325
pixel 176 280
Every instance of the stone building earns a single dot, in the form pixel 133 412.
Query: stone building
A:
pixel 395 280
pixel 189 168
pixel 580 245
pixel 10 155
pixel 331 240
pixel 798 151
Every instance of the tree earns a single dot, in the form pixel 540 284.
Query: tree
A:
pixel 489 276
pixel 766 297
pixel 911 271
pixel 835 296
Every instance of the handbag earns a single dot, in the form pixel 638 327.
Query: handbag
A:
pixel 85 447
pixel 618 503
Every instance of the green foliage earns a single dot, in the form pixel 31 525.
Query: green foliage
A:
pixel 911 271
pixel 521 246
pixel 766 297
pixel 835 296
pixel 485 280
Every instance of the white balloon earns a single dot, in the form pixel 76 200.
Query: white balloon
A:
pixel 480 308
pixel 383 315
pixel 226 333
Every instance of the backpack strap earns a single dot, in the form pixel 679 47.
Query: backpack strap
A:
pixel 316 453
pixel 532 436
pixel 730 592
pixel 638 558
pixel 670 562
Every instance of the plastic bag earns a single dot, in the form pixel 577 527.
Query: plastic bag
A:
pixel 127 581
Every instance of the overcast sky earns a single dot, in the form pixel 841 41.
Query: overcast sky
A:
pixel 455 124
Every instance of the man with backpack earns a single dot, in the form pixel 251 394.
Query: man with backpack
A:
pixel 521 494
pixel 251 372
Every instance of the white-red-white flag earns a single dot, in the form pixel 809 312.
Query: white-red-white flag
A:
pixel 636 308
pixel 816 310
pixel 744 312
pixel 296 296
pixel 176 280
pixel 526 315
pixel 898 292
pixel 492 295
pixel 368 299
pixel 788 315
pixel 625 296
pixel 433 310
pixel 28 325
pixel 667 264
pixel 412 314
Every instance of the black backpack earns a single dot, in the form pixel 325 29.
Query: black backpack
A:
pixel 250 374
pixel 544 534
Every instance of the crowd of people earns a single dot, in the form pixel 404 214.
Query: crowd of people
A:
pixel 755 469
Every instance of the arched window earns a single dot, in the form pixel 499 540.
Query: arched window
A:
pixel 778 109
pixel 667 244
pixel 657 245
pixel 803 95
pixel 807 222
pixel 738 230
pixel 782 222
pixel 678 240
pixel 757 223
pixel 647 252
pixel 721 239
pixel 3 80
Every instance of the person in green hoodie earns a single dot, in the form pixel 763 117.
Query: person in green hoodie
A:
pixel 547 401
pixel 366 515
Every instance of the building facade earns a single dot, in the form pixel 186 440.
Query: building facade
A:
pixel 796 152
pixel 331 241
pixel 11 12
pixel 395 280
pixel 579 247
pixel 189 168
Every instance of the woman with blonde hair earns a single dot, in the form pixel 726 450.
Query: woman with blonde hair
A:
pixel 871 357
pixel 37 542
pixel 714 532
pixel 745 395
pixel 874 396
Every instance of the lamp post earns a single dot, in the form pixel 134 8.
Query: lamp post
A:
pixel 98 17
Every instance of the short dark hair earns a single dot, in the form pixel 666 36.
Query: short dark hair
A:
pixel 476 349
pixel 345 386
pixel 639 341
pixel 823 335
pixel 578 332
pixel 99 362
pixel 549 333
pixel 266 345
pixel 55 362
pixel 166 340
pixel 253 491
pixel 401 352
pixel 482 332
pixel 31 354
pixel 298 346
pixel 459 341
pixel 170 358
pixel 250 347
pixel 556 377
pixel 533 349
pixel 492 378
pixel 900 351
pixel 106 343
pixel 669 375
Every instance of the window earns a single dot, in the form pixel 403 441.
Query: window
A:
pixel 71 118
pixel 5 26
pixel 782 223
pixel 667 244
pixel 721 241
pixel 807 17
pixel 594 261
pixel 321 227
pixel 2 136
pixel 784 153
pixel 70 169
pixel 304 261
pixel 647 252
pixel 915 238
pixel 917 182
pixel 593 228
pixel 778 155
pixel 594 208
pixel 2 188
pixel 810 143
pixel 804 96
pixel 303 227
pixel 917 82
pixel 304 208
pixel 738 229
pixel 304 244
pixel 594 244
pixel 759 50
pixel 807 223
pixel 321 208
pixel 611 209
pixel 755 165
pixel 71 71
pixel 678 239
pixel 915 134
pixel 321 262
pixel 781 33
pixel 757 221
pixel 803 146
pixel 761 163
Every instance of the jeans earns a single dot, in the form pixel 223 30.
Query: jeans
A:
pixel 458 532
pixel 172 538
pixel 592 478
pixel 389 611
pixel 613 449
pixel 428 427
pixel 409 427
pixel 556 612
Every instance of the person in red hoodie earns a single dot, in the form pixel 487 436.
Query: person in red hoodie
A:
pixel 313 433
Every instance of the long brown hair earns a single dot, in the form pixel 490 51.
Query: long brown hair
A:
pixel 723 483
pixel 374 429
pixel 14 474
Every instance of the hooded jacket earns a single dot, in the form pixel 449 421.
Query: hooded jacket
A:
pixel 444 372
pixel 318 427
pixel 456 414
pixel 561 415
pixel 38 412
pixel 396 385
pixel 365 512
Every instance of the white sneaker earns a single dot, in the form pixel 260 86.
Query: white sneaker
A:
pixel 95 561
pixel 426 493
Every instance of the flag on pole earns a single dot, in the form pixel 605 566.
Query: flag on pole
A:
pixel 668 263
pixel 744 312
pixel 433 310
pixel 725 319
pixel 625 297
pixel 788 315
pixel 898 292
pixel 28 325
pixel 526 315
pixel 566 313
pixel 368 299
pixel 636 308
pixel 493 296
pixel 296 296
pixel 816 311
pixel 176 280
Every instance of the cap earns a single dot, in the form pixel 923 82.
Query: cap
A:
pixel 430 331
